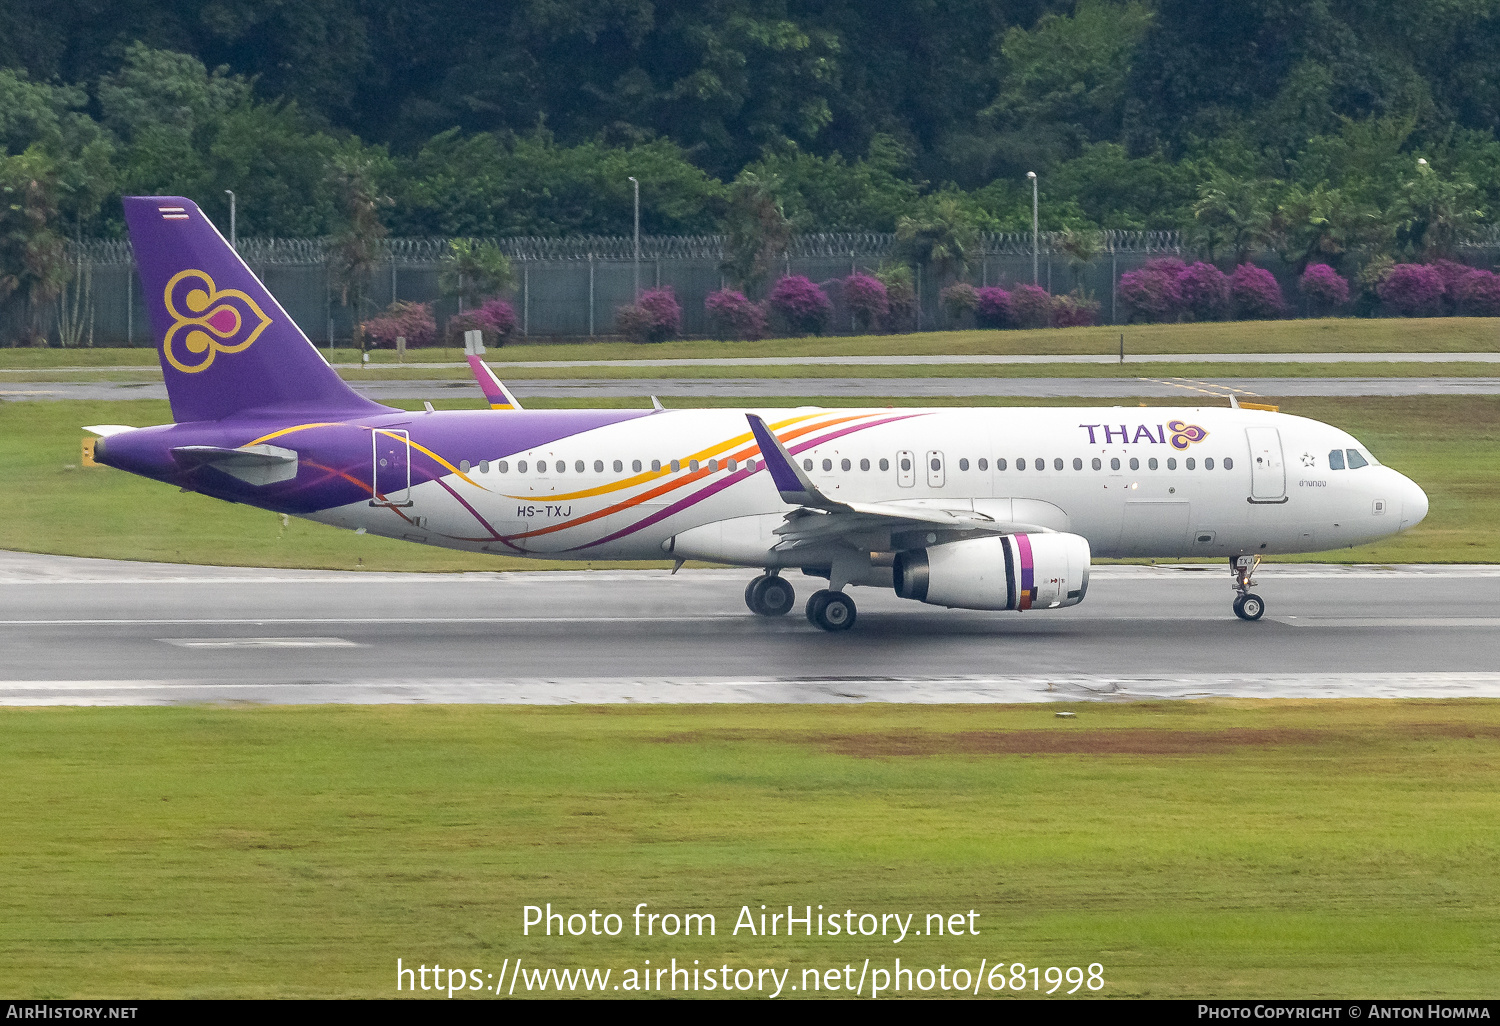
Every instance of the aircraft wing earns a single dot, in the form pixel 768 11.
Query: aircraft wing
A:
pixel 819 519
pixel 494 389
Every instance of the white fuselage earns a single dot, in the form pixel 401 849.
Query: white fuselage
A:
pixel 1133 481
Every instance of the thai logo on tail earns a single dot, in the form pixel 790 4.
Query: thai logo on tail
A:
pixel 206 321
pixel 1184 435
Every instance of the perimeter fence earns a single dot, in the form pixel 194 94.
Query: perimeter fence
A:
pixel 569 288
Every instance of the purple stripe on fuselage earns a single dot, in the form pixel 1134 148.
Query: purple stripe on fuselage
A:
pixel 1028 571
pixel 719 486
pixel 456 435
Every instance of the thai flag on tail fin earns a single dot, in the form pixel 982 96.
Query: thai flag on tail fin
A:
pixel 494 389
pixel 227 348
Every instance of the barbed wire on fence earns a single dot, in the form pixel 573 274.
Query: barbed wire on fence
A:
pixel 426 252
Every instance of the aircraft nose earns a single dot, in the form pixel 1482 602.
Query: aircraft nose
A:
pixel 1413 504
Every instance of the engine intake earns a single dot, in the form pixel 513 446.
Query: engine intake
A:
pixel 1013 571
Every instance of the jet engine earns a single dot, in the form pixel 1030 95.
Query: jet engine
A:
pixel 1012 571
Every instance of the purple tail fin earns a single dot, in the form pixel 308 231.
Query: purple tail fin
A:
pixel 227 346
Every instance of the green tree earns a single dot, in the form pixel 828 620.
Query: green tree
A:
pixel 474 271
pixel 829 193
pixel 756 230
pixel 942 235
pixel 356 248
pixel 1436 213
pixel 33 255
pixel 1232 215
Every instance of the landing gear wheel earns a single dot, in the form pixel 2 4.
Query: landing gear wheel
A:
pixel 831 610
pixel 1249 607
pixel 769 596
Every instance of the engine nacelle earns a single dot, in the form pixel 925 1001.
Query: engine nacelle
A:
pixel 1013 571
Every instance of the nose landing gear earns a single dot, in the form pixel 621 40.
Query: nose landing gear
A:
pixel 1247 606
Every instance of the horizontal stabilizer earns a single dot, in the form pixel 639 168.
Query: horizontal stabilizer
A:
pixel 105 430
pixel 257 465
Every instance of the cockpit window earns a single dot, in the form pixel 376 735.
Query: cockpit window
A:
pixel 1336 460
pixel 1356 460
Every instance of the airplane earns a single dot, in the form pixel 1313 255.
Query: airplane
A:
pixel 980 508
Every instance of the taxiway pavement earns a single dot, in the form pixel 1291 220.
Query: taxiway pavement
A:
pixel 772 389
pixel 99 632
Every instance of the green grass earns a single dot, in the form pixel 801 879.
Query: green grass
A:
pixel 1211 849
pixel 1327 335
pixel 1450 445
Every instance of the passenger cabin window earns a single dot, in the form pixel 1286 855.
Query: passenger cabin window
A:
pixel 1172 463
pixel 1135 464
pixel 864 464
pixel 905 464
pixel 1191 463
pixel 635 466
pixel 1208 464
pixel 1114 464
pixel 984 464
pixel 1057 464
pixel 520 466
pixel 963 464
pixel 692 465
pixel 1228 463
pixel 1077 463
pixel 1021 463
pixel 827 465
pixel 1040 464
pixel 845 465
pixel 676 466
pixel 713 466
pixel 619 467
pixel 484 466
pixel 504 467
pixel 463 466
pixel 656 466
pixel 1151 463
pixel 1098 463
pixel 885 464
pixel 1356 460
pixel 807 464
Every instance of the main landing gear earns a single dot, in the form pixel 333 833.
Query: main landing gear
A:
pixel 1247 606
pixel 831 610
pixel 769 595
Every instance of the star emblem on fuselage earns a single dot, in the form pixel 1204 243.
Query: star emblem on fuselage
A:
pixel 1308 459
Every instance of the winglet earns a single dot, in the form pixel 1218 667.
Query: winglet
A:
pixel 493 388
pixel 793 484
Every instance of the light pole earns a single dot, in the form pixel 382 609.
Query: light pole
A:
pixel 637 263
pixel 233 241
pixel 1035 278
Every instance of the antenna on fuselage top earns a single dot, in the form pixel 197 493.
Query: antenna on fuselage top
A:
pixel 1234 401
pixel 656 404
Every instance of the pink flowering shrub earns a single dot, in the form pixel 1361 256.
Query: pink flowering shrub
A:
pixel 1477 294
pixel 1153 292
pixel 1074 311
pixel 497 315
pixel 992 307
pixel 733 316
pixel 411 321
pixel 656 318
pixel 1255 293
pixel 867 300
pixel 1205 291
pixel 1412 290
pixel 958 300
pixel 1452 273
pixel 1030 306
pixel 801 307
pixel 1323 287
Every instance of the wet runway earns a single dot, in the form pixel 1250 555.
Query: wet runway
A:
pixel 758 389
pixel 101 632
